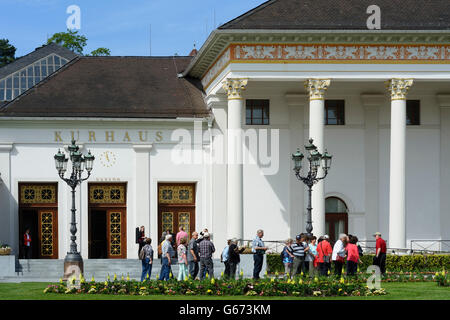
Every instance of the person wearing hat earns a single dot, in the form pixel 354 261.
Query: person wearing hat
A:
pixel 380 252
pixel 324 250
pixel 299 250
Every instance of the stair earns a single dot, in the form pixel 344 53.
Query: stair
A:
pixel 38 270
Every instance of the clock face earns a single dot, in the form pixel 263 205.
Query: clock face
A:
pixel 107 159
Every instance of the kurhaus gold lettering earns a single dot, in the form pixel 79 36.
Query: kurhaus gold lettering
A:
pixel 72 133
pixel 141 138
pixel 126 137
pixel 58 136
pixel 109 136
pixel 91 136
pixel 159 136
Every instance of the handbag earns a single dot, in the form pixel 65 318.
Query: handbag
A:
pixel 326 259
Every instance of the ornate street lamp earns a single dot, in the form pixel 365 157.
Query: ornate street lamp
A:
pixel 80 163
pixel 316 160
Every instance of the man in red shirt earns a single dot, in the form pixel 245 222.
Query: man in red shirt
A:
pixel 324 250
pixel 380 253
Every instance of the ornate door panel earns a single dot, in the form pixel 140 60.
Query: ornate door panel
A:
pixel 116 231
pixel 48 234
pixel 171 218
pixel 176 203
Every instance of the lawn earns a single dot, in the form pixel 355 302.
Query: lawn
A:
pixel 396 291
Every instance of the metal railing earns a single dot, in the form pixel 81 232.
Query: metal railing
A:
pixel 368 246
pixel 433 246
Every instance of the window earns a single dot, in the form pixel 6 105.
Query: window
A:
pixel 257 112
pixel 20 81
pixel 335 112
pixel 413 112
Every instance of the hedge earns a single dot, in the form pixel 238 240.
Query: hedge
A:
pixel 405 263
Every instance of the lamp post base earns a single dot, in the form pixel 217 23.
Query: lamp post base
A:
pixel 73 265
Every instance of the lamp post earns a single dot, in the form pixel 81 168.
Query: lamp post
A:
pixel 316 160
pixel 73 262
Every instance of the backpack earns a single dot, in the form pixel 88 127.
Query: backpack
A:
pixel 360 251
pixel 142 254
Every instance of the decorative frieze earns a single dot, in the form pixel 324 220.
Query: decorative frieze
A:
pixel 399 88
pixel 328 53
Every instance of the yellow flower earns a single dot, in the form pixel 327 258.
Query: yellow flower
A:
pixel 92 279
pixel 212 281
pixel 300 281
pixel 147 276
pixel 106 283
pixel 60 280
pixel 128 277
pixel 209 291
pixel 329 272
pixel 207 275
pixel 301 273
pixel 340 289
pixel 316 279
pixel 122 278
pixel 221 274
pixel 242 273
pixel 437 274
pixel 276 273
pixel 115 277
pixel 272 279
pixel 342 280
pixel 108 278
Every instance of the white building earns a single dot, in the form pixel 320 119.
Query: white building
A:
pixel 313 72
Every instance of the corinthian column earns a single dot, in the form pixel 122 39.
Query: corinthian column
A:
pixel 235 216
pixel 316 89
pixel 398 89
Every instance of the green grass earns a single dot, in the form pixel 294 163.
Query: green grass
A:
pixel 396 291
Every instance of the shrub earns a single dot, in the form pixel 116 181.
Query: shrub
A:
pixel 405 263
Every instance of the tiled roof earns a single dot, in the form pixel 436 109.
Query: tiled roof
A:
pixel 125 87
pixel 344 15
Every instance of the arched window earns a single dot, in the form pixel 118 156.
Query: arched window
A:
pixel 336 217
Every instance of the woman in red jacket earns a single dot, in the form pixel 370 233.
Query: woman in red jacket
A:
pixel 324 250
pixel 352 256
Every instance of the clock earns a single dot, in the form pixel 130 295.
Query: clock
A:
pixel 107 159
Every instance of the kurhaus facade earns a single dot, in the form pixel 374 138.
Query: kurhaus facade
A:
pixel 287 71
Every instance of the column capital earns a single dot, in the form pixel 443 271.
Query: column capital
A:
pixel 317 88
pixel 234 88
pixel 399 88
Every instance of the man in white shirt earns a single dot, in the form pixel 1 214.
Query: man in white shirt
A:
pixel 338 255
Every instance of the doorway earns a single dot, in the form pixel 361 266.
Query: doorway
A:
pixel 176 208
pixel 107 221
pixel 39 214
pixel 336 218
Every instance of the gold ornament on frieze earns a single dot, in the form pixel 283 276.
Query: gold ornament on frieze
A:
pixel 234 88
pixel 176 194
pixel 316 88
pixel 36 193
pixel 399 88
pixel 107 194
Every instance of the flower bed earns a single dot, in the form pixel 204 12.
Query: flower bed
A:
pixel 220 287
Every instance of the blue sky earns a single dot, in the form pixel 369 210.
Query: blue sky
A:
pixel 122 26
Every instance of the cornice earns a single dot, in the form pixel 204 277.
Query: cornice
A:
pixel 219 40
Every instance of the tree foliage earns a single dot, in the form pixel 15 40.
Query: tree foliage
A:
pixel 70 40
pixel 7 52
pixel 100 52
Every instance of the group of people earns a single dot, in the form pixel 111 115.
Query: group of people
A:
pixel 306 255
pixel 309 255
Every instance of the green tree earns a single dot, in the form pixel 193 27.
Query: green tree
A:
pixel 7 52
pixel 76 42
pixel 70 40
pixel 100 52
